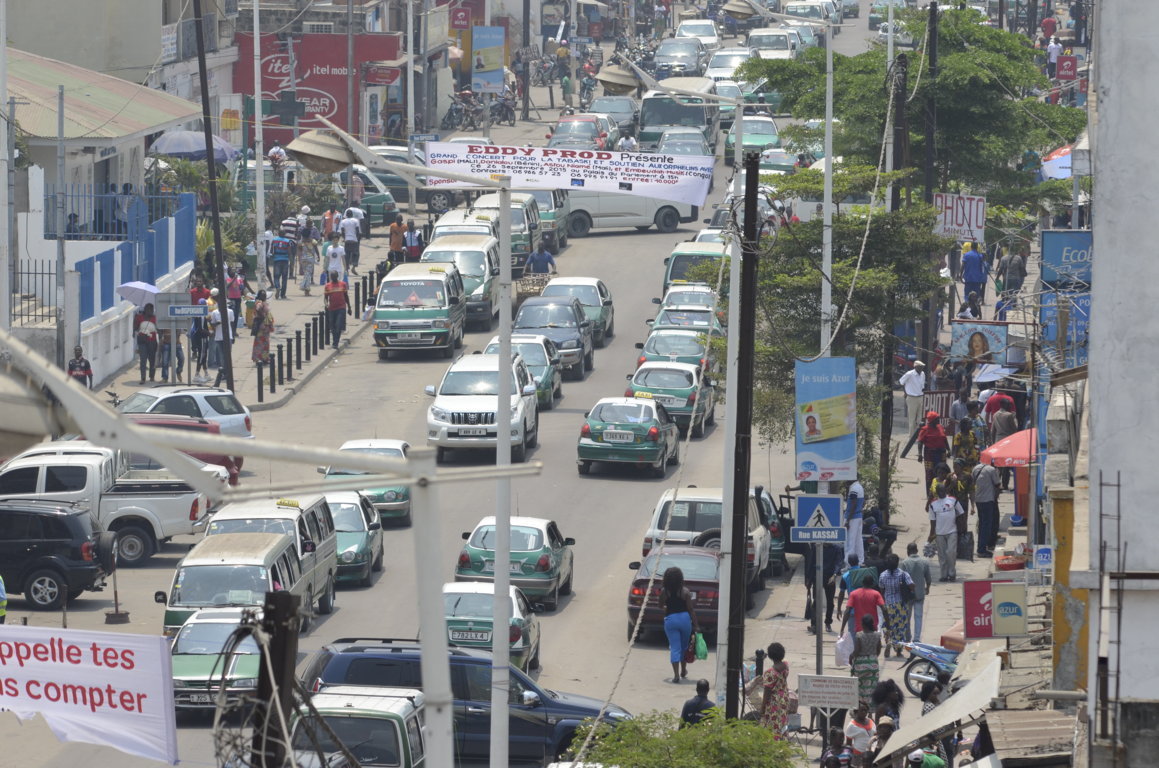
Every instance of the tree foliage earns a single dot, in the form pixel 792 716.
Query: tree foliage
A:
pixel 656 740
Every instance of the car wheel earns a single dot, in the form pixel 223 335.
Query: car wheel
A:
pixel 584 467
pixel 750 598
pixel 366 580
pixel 558 392
pixel 698 427
pixel 590 360
pixel 459 339
pixel 376 566
pixel 658 469
pixel 601 340
pixel 107 550
pixel 553 248
pixel 710 419
pixel 674 459
pixel 384 354
pixel 326 602
pixel 307 612
pixel 438 202
pixel 551 602
pixel 449 350
pixel 579 225
pixel 611 329
pixel 134 546
pixel 566 588
pixel 46 590
pixel 519 452
pixel 533 440
pixel 549 403
pixel 441 455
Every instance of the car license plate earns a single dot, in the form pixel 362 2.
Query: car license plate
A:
pixel 515 567
pixel 613 436
pixel 472 431
pixel 665 399
pixel 200 698
pixel 409 336
pixel 463 635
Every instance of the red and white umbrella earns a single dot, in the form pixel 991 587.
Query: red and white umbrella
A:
pixel 1018 450
pixel 1056 163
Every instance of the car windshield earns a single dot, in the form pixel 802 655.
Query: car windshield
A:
pixel 811 11
pixel 611 105
pixel 756 128
pixel 198 638
pixel 710 236
pixel 348 517
pixel 470 263
pixel 696 29
pixel 664 110
pixel 533 353
pixel 476 605
pixel 460 229
pixel 588 295
pixel 395 453
pixel 523 538
pixel 518 220
pixel 374 740
pixel 690 516
pixel 583 128
pixel 202 585
pixel 694 567
pixel 138 402
pixel 411 293
pixel 251 525
pixel 683 148
pixel 677 47
pixel 680 266
pixel 544 197
pixel 473 383
pixel 545 316
pixel 686 298
pixel 769 41
pixel 663 378
pixel 729 90
pixel 674 344
pixel 623 413
pixel 729 60
pixel 684 317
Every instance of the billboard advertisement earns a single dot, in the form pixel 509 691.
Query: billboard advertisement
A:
pixel 487 46
pixel 977 605
pixel 978 341
pixel 680 178
pixel 1066 256
pixel 826 419
pixel 962 217
pixel 1073 340
pixel 94 687
pixel 1008 610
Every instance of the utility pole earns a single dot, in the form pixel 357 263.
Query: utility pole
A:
pixel 8 128
pixel 211 163
pixel 929 325
pixel 293 77
pixel 259 148
pixel 61 355
pixel 280 621
pixel 524 63
pixel 412 205
pixel 351 128
pixel 742 450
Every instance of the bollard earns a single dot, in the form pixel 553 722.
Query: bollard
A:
pixel 273 378
pixel 261 384
pixel 325 328
pixel 550 97
pixel 308 345
pixel 358 292
pixel 314 325
pixel 289 359
pixel 298 349
pixel 281 366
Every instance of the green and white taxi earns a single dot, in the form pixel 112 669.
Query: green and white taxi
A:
pixel 543 362
pixel 690 318
pixel 391 501
pixel 360 545
pixel 683 389
pixel 541 558
pixel 596 300
pixel 676 345
pixel 627 430
pixel 200 662
pixel 469 610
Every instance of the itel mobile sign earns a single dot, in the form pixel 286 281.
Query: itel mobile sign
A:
pixel 978 606
pixel 962 217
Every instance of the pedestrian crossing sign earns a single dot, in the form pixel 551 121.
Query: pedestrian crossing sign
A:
pixel 818 520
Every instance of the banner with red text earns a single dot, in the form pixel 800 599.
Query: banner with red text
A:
pixel 96 687
pixel 962 217
pixel 678 178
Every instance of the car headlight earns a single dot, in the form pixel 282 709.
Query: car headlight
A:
pixel 477 295
pixel 615 713
pixel 570 344
pixel 439 323
pixel 390 496
pixel 382 325
pixel 244 682
pixel 181 684
pixel 438 414
pixel 546 224
pixel 348 556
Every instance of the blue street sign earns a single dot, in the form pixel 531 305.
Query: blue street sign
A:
pixel 582 40
pixel 419 137
pixel 818 520
pixel 188 310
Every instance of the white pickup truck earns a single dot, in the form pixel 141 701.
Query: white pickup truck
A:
pixel 145 508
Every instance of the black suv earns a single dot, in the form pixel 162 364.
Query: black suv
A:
pixel 563 320
pixel 48 551
pixel 543 722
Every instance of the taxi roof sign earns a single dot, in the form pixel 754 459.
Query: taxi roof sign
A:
pixel 289 503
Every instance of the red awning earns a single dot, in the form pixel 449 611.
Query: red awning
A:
pixel 1018 450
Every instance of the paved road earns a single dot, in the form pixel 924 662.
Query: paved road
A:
pixel 360 396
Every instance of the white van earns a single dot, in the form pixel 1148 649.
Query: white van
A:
pixel 606 210
pixel 462 222
pixel 477 259
pixel 307 520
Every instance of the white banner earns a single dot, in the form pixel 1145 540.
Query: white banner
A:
pixel 679 178
pixel 962 217
pixel 95 687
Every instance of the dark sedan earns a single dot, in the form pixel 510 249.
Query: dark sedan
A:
pixel 623 109
pixel 701 569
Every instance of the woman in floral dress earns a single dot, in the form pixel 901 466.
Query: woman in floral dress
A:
pixel 866 649
pixel 262 328
pixel 775 711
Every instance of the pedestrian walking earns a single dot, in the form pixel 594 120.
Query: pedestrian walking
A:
pixel 886 703
pixel 396 236
pixel 1049 26
pixel 220 329
pixel 897 588
pixel 918 569
pixel 351 232
pixel 335 257
pixel 80 369
pixel 864 659
pixel 977 425
pixel 412 241
pixel 1004 424
pixel 935 444
pixel 974 272
pixel 1053 51
pixel 199 342
pixel 330 221
pixel 830 569
pixel 281 251
pixel 679 620
pixel 147 341
pixel 337 301
pixel 960 409
pixel 308 256
pixel 775 685
pixel 289 229
pixel 696 709
pixel 944 512
pixel 854 508
pixel 565 88
pixel 987 486
pixel 262 329
pixel 913 383
pixel 540 262
pixel 234 284
pixel 171 351
pixel 851 577
pixel 1012 273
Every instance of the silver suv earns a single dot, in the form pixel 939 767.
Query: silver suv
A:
pixel 464 413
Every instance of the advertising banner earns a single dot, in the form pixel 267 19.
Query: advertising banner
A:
pixel 977 602
pixel 460 18
pixel 487 45
pixel 962 217
pixel 826 428
pixel 978 341
pixel 1066 256
pixel 680 178
pixel 96 687
pixel 1071 345
pixel 1008 610
pixel 1067 68
pixel 827 691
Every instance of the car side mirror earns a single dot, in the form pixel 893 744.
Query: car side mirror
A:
pixel 309 547
pixel 656 300
pixel 375 526
pixel 650 320
pixel 466 535
pixel 321 470
pixel 607 302
pixel 639 345
pixel 530 699
pixel 538 608
pixel 628 377
pixel 160 597
pixel 429 389
pixel 587 413
pixel 585 324
pixel 452 300
pixel 555 360
pixel 494 271
pixel 667 259
pixel 529 389
pixel 569 542
pixel 634 565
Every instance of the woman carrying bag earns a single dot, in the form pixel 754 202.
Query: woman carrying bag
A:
pixel 679 620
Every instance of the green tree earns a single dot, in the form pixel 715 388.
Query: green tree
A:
pixel 656 740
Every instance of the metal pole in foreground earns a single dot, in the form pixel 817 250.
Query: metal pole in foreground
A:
pixel 501 605
pixel 281 621
pixel 259 150
pixel 6 125
pixel 411 192
pixel 61 355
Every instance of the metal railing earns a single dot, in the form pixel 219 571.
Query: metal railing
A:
pixel 92 212
pixel 33 290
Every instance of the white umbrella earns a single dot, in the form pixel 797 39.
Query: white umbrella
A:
pixel 138 292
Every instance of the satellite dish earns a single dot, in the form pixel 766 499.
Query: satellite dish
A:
pixel 321 152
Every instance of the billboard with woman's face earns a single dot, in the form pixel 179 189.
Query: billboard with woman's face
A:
pixel 978 342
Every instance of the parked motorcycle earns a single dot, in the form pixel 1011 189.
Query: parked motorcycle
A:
pixel 503 111
pixel 454 116
pixel 925 663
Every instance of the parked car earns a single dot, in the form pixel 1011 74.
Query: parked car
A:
pixel 684 390
pixel 392 502
pixel 48 551
pixel 469 609
pixel 624 430
pixel 231 464
pixel 201 663
pixel 542 359
pixel 543 721
pixel 701 568
pixel 541 558
pixel 212 403
pixel 563 320
pixel 360 545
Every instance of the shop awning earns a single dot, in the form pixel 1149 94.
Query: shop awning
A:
pixel 965 707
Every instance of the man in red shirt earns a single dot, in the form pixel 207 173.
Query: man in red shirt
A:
pixel 337 307
pixel 1049 26
pixel 862 602
pixel 994 404
pixel 198 291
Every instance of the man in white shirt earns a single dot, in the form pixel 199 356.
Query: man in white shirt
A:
pixel 351 229
pixel 627 143
pixel 944 512
pixel 913 383
pixel 219 339
pixel 1052 53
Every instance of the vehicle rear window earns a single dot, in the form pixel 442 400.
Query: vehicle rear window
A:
pixel 679 266
pixel 690 516
pixel 374 740
pixel 623 413
pixel 663 378
pixel 545 316
pixel 138 402
pixel 673 345
pixel 587 294
pixel 392 673
pixel 523 539
pixel 468 604
pixel 226 405
pixel 684 317
pixel 64 478
pixel 698 568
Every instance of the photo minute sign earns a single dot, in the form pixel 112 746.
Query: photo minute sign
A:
pixel 962 217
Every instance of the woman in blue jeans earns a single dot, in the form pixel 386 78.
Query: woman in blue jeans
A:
pixel 679 620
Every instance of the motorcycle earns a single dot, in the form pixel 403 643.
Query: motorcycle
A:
pixel 543 71
pixel 503 111
pixel 925 663
pixel 587 92
pixel 454 116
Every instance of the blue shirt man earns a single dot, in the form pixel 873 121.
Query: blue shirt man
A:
pixel 280 249
pixel 974 271
pixel 540 262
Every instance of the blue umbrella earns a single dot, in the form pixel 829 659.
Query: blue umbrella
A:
pixel 190 145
